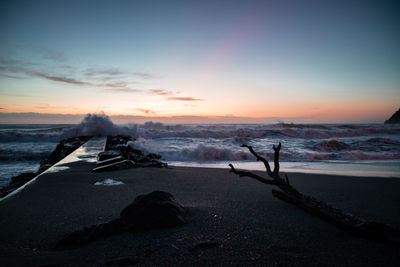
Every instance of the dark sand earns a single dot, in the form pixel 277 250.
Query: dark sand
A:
pixel 231 220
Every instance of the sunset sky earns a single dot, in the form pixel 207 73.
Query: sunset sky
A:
pixel 200 61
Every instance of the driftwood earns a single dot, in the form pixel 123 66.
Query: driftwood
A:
pixel 339 218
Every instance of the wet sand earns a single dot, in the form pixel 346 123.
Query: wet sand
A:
pixel 230 220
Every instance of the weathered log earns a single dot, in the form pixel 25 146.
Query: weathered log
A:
pixel 335 216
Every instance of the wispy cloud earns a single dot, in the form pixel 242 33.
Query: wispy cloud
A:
pixel 146 75
pixel 17 67
pixel 58 78
pixel 145 111
pixel 105 74
pixel 124 90
pixel 93 72
pixel 184 99
pixel 98 77
pixel 12 76
pixel 163 92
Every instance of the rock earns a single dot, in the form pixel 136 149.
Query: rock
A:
pixel 23 178
pixel 154 163
pixel 114 141
pixel 394 119
pixel 108 154
pixel 119 155
pixel 154 210
pixel 147 212
pixel 64 148
pixel 136 151
pixel 151 156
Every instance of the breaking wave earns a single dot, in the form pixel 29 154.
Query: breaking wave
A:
pixel 96 125
pixel 215 142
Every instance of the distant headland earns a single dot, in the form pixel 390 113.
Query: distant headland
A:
pixel 395 118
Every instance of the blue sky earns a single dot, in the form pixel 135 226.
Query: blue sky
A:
pixel 291 60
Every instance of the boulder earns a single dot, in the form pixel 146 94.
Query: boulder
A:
pixel 147 212
pixel 154 210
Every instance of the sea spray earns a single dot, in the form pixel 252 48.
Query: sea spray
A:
pixel 97 125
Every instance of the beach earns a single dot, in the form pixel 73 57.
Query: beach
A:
pixel 229 220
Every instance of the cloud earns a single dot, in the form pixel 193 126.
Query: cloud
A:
pixel 12 76
pixel 58 78
pixel 145 111
pixel 124 90
pixel 162 92
pixel 93 72
pixel 184 99
pixel 115 73
pixel 145 75
pixel 99 77
pixel 18 67
pixel 116 85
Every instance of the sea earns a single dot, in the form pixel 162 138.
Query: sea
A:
pixel 350 149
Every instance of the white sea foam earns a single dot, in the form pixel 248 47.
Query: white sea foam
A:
pixel 109 182
pixel 25 145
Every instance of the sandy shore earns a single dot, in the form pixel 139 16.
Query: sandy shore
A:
pixel 231 220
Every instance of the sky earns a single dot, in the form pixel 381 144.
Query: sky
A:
pixel 199 61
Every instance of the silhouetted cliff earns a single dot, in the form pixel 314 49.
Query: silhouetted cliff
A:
pixel 395 118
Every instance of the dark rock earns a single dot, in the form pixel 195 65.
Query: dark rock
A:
pixel 394 119
pixel 63 149
pixel 154 210
pixel 153 156
pixel 153 163
pixel 113 141
pixel 136 152
pixel 147 212
pixel 23 178
pixel 108 154
pixel 108 160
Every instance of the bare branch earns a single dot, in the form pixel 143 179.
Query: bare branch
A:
pixel 251 175
pixel 276 160
pixel 370 230
pixel 259 158
pixel 287 179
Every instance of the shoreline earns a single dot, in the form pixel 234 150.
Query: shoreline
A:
pixel 248 225
pixel 383 169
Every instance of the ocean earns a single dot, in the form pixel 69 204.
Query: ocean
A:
pixel 374 148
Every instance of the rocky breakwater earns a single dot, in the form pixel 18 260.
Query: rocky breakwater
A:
pixel 63 149
pixel 119 153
